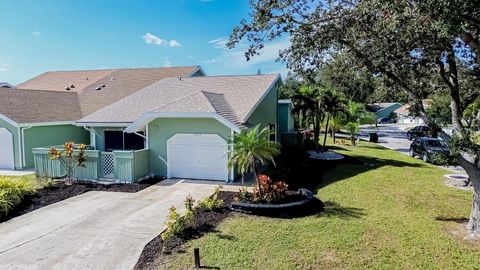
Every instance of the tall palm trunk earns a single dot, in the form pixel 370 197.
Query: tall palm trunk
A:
pixel 316 133
pixel 255 174
pixel 326 131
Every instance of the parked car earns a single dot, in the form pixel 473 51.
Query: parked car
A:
pixel 426 148
pixel 386 120
pixel 419 131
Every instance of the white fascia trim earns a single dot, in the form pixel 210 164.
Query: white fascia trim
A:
pixel 195 71
pixel 102 124
pixel 262 98
pixel 8 120
pixel 147 117
pixel 47 124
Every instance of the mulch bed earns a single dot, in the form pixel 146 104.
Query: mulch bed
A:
pixel 60 191
pixel 203 222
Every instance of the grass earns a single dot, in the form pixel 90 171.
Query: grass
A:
pixel 13 190
pixel 392 213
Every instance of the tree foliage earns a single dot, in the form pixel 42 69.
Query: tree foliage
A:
pixel 421 47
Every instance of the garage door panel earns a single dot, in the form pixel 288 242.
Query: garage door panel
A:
pixel 6 149
pixel 198 157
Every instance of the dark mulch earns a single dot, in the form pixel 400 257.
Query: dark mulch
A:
pixel 203 222
pixel 60 191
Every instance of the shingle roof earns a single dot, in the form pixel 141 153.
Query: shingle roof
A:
pixel 34 106
pixel 375 107
pixel 232 97
pixel 118 84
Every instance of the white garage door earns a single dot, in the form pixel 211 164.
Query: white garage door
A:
pixel 6 149
pixel 197 156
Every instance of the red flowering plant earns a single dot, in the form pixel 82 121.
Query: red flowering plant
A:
pixel 71 156
pixel 269 190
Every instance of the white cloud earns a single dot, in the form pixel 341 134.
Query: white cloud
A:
pixel 174 43
pixel 219 43
pixel 36 33
pixel 3 67
pixel 150 38
pixel 167 63
pixel 236 57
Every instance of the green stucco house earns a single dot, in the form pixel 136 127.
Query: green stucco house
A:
pixel 177 126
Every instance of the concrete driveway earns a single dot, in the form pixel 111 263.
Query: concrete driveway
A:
pixel 96 230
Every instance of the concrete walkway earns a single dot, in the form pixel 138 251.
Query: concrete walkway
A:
pixel 96 230
pixel 16 173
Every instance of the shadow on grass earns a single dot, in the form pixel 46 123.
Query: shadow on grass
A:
pixel 453 219
pixel 334 209
pixel 226 237
pixel 299 171
pixel 367 163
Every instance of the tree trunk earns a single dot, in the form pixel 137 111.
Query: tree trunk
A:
pixel 353 139
pixel 255 174
pixel 473 172
pixel 333 135
pixel 316 133
pixel 326 131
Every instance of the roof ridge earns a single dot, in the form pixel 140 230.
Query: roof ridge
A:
pixel 176 100
pixel 117 69
pixel 230 76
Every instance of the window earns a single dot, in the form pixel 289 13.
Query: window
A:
pixel 118 140
pixel 273 132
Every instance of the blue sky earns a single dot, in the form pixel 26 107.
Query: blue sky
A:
pixel 37 36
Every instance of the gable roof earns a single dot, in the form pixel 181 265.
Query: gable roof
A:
pixel 35 106
pixel 89 79
pixel 231 97
pixel 113 85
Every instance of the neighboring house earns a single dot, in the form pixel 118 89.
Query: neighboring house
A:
pixel 42 111
pixel 6 85
pixel 383 109
pixel 404 116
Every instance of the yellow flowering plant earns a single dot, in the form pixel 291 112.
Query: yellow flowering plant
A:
pixel 71 156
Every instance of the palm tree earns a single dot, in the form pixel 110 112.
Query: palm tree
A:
pixel 332 104
pixel 251 148
pixel 308 107
pixel 352 128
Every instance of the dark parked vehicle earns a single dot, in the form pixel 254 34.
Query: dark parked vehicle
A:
pixel 419 131
pixel 426 148
pixel 386 120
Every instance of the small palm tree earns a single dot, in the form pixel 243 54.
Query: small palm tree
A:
pixel 251 148
pixel 308 108
pixel 332 104
pixel 352 128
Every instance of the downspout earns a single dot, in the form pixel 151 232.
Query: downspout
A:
pixel 232 134
pixel 22 138
pixel 95 133
pixel 20 160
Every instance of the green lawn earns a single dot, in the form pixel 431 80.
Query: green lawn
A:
pixel 395 213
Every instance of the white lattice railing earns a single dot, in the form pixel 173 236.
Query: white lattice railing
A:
pixel 108 165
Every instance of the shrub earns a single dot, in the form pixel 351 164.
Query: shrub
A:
pixel 12 192
pixel 212 202
pixel 175 223
pixel 270 191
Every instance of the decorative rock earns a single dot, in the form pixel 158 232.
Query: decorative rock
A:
pixel 327 155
